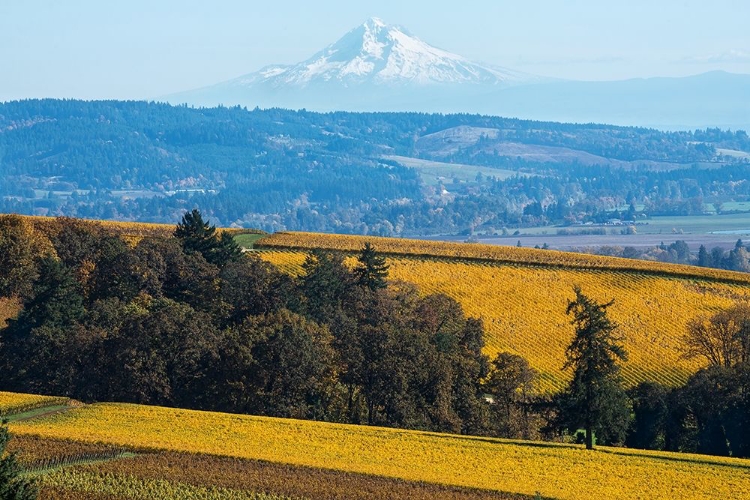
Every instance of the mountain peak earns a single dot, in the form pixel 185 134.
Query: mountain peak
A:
pixel 381 54
pixel 374 22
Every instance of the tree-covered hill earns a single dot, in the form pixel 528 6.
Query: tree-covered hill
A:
pixel 279 169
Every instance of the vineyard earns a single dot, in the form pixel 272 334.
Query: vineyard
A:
pixel 14 403
pixel 190 454
pixel 495 254
pixel 521 295
pixel 132 232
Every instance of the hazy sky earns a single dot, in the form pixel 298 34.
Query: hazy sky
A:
pixel 134 49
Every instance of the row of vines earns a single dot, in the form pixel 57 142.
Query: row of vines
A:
pixel 132 232
pixel 494 253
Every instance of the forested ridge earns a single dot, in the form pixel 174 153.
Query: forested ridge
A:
pixel 297 170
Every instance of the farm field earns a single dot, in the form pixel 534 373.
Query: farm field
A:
pixel 475 252
pixel 434 172
pixel 653 302
pixel 709 230
pixel 175 450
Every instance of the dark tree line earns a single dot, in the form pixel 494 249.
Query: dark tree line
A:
pixel 711 413
pixel 190 321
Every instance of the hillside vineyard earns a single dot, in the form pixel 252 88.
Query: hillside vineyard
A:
pixel 490 465
pixel 521 295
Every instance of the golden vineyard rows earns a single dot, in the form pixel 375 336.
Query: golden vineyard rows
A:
pixel 91 483
pixel 132 232
pixel 523 309
pixel 11 402
pixel 493 253
pixel 553 470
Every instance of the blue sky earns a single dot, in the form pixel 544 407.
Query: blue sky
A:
pixel 138 49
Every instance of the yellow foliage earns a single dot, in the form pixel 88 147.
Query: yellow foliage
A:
pixel 11 402
pixel 553 470
pixel 493 253
pixel 132 232
pixel 9 309
pixel 523 309
pixel 145 489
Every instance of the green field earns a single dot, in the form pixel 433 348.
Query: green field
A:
pixel 738 223
pixel 434 173
pixel 697 224
pixel 247 240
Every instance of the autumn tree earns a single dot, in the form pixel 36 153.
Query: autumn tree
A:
pixel 251 287
pixel 722 340
pixel 325 284
pixel 595 399
pixel 21 249
pixel 650 413
pixel 290 374
pixel 511 383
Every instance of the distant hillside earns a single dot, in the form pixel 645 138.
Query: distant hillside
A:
pixel 359 173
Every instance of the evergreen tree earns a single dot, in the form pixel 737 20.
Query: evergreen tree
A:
pixel 12 485
pixel 372 271
pixel 704 258
pixel 630 215
pixel 197 235
pixel 226 250
pixel 595 399
pixel 325 284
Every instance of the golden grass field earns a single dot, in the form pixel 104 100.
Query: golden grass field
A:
pixel 553 470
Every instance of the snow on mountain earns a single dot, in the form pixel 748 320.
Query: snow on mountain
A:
pixel 382 54
pixel 381 67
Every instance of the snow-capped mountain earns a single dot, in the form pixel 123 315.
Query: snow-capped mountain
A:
pixel 381 67
pixel 376 66
pixel 379 53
